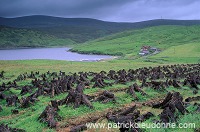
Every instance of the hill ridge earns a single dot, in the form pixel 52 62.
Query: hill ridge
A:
pixel 35 21
pixel 81 30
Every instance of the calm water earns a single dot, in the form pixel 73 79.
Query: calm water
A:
pixel 48 53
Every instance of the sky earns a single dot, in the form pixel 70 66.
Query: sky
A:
pixel 107 10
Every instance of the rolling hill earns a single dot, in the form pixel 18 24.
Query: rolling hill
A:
pixel 128 43
pixel 39 21
pixel 83 29
pixel 15 37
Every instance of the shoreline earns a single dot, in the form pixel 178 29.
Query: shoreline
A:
pixel 89 53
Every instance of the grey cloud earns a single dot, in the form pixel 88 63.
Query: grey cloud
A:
pixel 155 9
pixel 10 8
pixel 109 10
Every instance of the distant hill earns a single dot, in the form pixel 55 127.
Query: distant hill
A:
pixel 39 21
pixel 17 37
pixel 83 29
pixel 128 43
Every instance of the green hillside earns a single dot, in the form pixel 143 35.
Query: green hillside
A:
pixel 187 52
pixel 83 29
pixel 129 42
pixel 13 37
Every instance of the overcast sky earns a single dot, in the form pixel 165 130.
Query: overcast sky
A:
pixel 108 10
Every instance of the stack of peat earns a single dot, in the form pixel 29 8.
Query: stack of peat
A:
pixel 105 97
pixel 171 103
pixel 76 97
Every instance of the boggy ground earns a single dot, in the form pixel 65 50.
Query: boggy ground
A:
pixel 74 99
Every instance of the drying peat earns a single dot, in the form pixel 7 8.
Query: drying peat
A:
pixel 52 84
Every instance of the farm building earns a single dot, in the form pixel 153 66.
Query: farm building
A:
pixel 146 50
